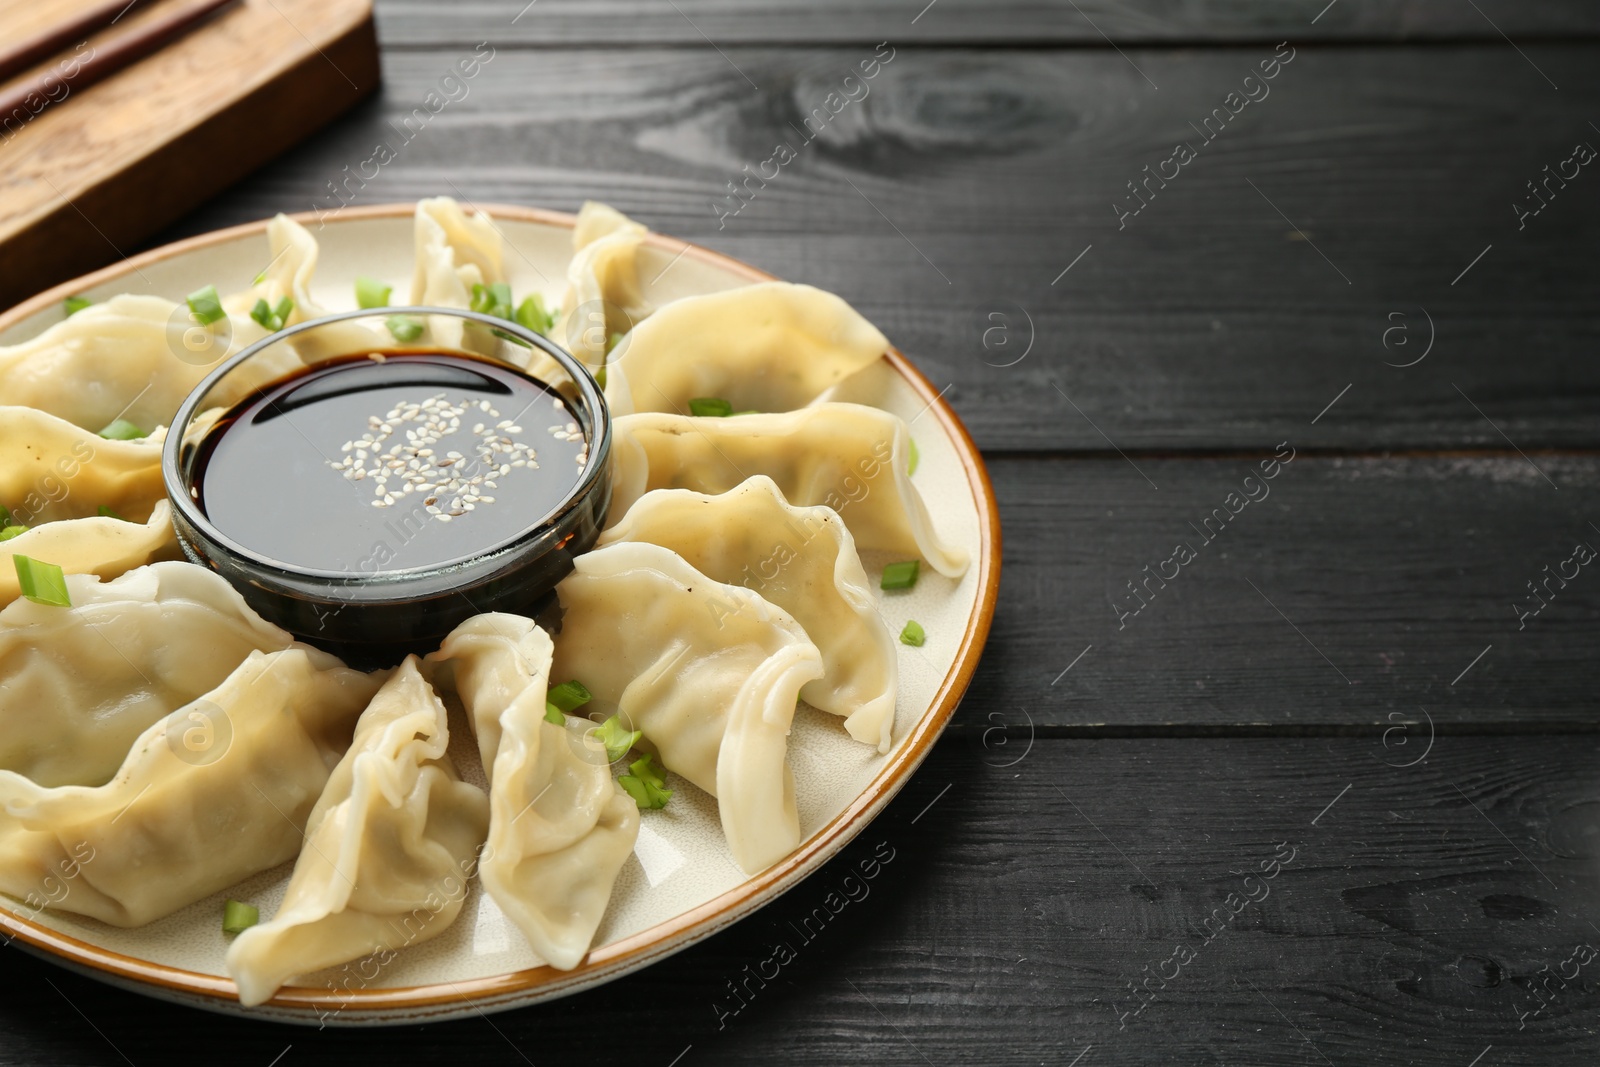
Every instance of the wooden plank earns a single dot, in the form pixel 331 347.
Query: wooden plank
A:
pixel 952 197
pixel 511 23
pixel 1354 593
pixel 87 178
pixel 1425 914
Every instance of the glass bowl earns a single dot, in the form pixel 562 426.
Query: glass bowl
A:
pixel 371 614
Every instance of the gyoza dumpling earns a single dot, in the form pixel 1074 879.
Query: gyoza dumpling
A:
pixel 133 358
pixel 560 828
pixel 709 672
pixel 215 792
pixel 79 684
pixel 455 251
pixel 56 477
pixel 848 457
pixel 768 347
pixel 389 848
pixel 603 292
pixel 108 361
pixel 804 561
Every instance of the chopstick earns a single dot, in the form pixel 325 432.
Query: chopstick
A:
pixel 25 100
pixel 19 57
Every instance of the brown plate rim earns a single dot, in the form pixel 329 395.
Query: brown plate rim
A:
pixel 672 935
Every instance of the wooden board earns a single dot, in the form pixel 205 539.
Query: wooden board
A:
pixel 547 23
pixel 1414 925
pixel 1204 324
pixel 88 178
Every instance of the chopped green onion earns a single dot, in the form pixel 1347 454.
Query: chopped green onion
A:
pixel 272 318
pixel 533 315
pixel 913 634
pixel 42 583
pixel 404 327
pixel 107 513
pixel 513 338
pixel 713 406
pixel 645 784
pixel 553 714
pixel 259 278
pixel 900 575
pixel 205 305
pixel 371 293
pixel 617 740
pixel 122 430
pixel 5 515
pixel 911 463
pixel 612 342
pixel 237 917
pixel 8 532
pixel 600 376
pixel 569 696
pixel 493 299
pixel 75 304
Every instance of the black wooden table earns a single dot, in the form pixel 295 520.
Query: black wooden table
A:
pixel 1326 792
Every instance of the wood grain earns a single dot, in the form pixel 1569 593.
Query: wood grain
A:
pixel 1391 575
pixel 946 202
pixel 1413 925
pixel 88 177
pixel 546 23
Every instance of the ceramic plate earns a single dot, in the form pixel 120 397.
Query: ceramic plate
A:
pixel 681 885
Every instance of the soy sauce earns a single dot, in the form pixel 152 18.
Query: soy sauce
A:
pixel 389 461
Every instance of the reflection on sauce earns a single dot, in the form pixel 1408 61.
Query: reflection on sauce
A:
pixel 389 462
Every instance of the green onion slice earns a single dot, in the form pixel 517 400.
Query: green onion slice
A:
pixel 533 315
pixel 75 304
pixel 8 532
pixel 713 406
pixel 371 293
pixel 900 575
pixel 913 634
pixel 206 306
pixel 915 458
pixel 569 696
pixel 122 430
pixel 600 376
pixel 493 299
pixel 553 714
pixel 404 327
pixel 617 740
pixel 238 917
pixel 42 583
pixel 107 513
pixel 645 784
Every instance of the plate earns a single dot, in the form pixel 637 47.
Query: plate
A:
pixel 680 886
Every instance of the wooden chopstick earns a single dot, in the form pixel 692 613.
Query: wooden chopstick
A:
pixel 19 57
pixel 21 102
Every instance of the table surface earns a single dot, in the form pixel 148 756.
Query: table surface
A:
pixel 1328 795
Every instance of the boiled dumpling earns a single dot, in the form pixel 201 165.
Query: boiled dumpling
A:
pixel 711 673
pixel 55 479
pixel 850 458
pixel 389 848
pixel 603 296
pixel 768 347
pixel 560 827
pixel 112 360
pixel 215 792
pixel 455 251
pixel 804 561
pixel 79 684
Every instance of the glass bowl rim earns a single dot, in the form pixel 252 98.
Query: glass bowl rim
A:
pixel 599 447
